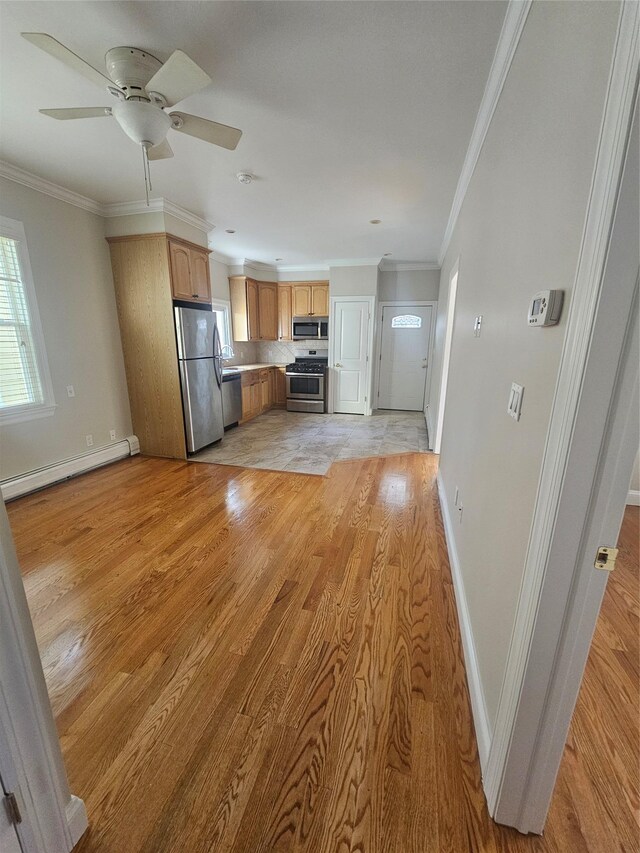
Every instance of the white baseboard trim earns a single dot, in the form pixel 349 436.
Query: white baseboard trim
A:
pixel 34 480
pixel 478 704
pixel 633 498
pixel 77 820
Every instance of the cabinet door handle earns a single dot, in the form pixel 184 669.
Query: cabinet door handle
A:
pixel 195 295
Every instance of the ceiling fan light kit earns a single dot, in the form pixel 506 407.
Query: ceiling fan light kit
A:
pixel 144 87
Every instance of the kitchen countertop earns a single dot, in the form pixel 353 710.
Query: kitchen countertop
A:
pixel 242 368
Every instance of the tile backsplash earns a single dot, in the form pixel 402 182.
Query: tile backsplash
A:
pixel 271 352
pixel 244 353
pixel 278 352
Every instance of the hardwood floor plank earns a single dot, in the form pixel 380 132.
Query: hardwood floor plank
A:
pixel 248 661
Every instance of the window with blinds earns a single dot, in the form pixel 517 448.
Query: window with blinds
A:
pixel 23 389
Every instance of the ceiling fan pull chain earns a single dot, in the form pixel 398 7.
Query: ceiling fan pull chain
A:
pixel 144 169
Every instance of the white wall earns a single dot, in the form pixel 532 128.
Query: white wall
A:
pixel 353 281
pixel 421 285
pixel 219 279
pixel 74 287
pixel 635 476
pixel 519 231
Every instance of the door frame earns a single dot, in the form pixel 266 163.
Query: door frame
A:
pixel 589 443
pixel 450 320
pixel 405 303
pixel 30 757
pixel 334 300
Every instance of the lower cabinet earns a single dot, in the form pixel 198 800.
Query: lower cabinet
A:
pixel 261 390
pixel 281 387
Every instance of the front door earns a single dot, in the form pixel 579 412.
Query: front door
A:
pixel 350 357
pixel 404 361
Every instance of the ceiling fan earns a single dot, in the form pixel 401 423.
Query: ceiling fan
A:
pixel 144 87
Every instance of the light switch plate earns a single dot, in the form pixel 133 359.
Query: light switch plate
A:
pixel 514 407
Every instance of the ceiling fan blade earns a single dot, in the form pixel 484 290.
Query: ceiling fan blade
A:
pixel 162 151
pixel 68 57
pixel 178 78
pixel 209 131
pixel 78 112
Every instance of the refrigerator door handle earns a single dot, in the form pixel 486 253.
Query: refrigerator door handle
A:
pixel 217 356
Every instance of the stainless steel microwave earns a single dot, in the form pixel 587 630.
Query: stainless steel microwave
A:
pixel 310 328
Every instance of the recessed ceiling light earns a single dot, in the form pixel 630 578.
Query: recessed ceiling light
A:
pixel 278 259
pixel 386 254
pixel 230 231
pixel 375 221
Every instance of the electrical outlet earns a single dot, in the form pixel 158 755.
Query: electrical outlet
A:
pixel 112 435
pixel 71 391
pixel 89 439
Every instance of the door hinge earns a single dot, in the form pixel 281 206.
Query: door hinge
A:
pixel 606 558
pixel 12 807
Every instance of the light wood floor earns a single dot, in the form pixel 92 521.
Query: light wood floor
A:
pixel 244 661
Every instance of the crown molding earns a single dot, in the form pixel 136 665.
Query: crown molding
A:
pixel 352 262
pixel 125 208
pixel 512 27
pixel 321 267
pixel 157 205
pixel 35 182
pixel 390 266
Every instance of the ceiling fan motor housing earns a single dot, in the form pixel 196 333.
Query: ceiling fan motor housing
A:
pixel 141 121
pixel 131 69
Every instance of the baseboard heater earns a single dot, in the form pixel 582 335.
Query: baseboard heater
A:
pixel 14 487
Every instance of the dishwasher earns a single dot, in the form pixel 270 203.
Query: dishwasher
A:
pixel 231 398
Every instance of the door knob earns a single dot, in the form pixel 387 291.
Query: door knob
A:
pixel 338 364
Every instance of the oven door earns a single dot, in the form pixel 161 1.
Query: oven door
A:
pixel 305 386
pixel 305 329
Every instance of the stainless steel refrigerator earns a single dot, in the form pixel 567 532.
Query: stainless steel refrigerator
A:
pixel 200 365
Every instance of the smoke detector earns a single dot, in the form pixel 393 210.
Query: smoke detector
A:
pixel 244 177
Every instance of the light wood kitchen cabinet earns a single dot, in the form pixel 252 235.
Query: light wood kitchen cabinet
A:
pixel 251 394
pixel 301 300
pixel 265 389
pixel 149 271
pixel 281 387
pixel 200 276
pixel 310 299
pixel 320 300
pixel 285 314
pixel 190 278
pixel 268 311
pixel 254 309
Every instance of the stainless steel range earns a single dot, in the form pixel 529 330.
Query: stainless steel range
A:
pixel 307 382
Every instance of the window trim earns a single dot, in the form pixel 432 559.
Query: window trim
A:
pixel 14 230
pixel 225 307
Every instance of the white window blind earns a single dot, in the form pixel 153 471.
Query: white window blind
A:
pixel 19 380
pixel 25 388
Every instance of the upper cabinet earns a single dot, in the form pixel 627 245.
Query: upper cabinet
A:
pixel 268 311
pixel 310 299
pixel 320 300
pixel 189 271
pixel 254 309
pixel 301 300
pixel 285 313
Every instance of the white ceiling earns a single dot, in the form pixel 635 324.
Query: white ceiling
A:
pixel 350 110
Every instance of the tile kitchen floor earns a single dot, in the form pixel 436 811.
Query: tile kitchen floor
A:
pixel 309 444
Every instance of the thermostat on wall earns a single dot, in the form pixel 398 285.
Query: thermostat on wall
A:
pixel 545 308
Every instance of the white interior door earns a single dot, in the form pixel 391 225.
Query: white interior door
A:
pixel 404 356
pixel 8 836
pixel 350 345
